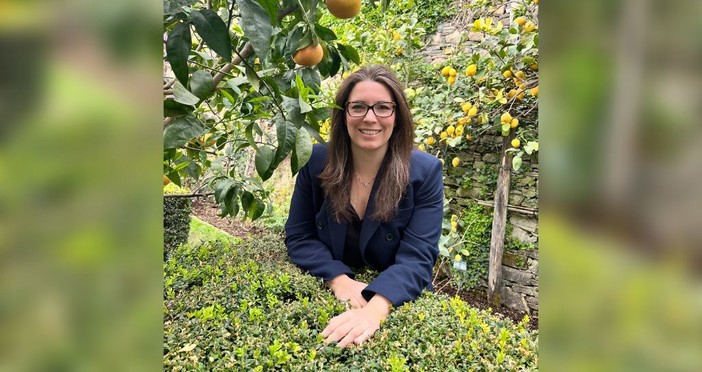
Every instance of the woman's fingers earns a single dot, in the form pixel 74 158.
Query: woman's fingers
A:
pixel 350 327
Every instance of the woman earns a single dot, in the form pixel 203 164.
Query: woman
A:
pixel 367 199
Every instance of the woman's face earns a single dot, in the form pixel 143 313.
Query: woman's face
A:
pixel 370 132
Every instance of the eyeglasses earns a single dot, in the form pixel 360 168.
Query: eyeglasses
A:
pixel 360 109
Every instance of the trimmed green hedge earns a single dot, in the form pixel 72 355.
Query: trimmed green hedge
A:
pixel 242 306
pixel 176 220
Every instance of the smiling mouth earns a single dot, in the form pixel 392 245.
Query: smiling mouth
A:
pixel 369 131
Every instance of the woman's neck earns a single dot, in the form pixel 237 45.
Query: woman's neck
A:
pixel 367 164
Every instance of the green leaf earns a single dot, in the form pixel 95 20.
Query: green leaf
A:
pixel 257 26
pixel 349 52
pixel 175 6
pixel 231 206
pixel 292 110
pixel 181 131
pixel 173 108
pixel 271 7
pixel 213 31
pixel 202 84
pixel 253 78
pixel 247 199
pixel 516 163
pixel 302 150
pixel 264 159
pixel 182 95
pixel 257 209
pixel 286 133
pixel 177 49
pixel 222 187
pixel 324 33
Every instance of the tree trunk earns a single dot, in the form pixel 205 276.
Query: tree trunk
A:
pixel 497 240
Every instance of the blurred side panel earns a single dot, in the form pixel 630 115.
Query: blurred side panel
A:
pixel 80 186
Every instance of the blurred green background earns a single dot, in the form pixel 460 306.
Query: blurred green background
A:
pixel 80 185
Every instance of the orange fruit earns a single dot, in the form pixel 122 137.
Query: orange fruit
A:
pixel 344 8
pixel 310 55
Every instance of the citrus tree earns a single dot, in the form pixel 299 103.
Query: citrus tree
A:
pixel 242 80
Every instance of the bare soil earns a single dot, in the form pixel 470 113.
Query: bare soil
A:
pixel 209 212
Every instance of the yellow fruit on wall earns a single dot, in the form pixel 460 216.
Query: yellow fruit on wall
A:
pixel 473 111
pixel 465 106
pixel 515 143
pixel 445 71
pixel 534 91
pixel 310 55
pixel 514 123
pixel 344 9
pixel 507 74
pixel 452 71
pixel 506 118
pixel 471 70
pixel 430 141
pixel 520 20
pixel 455 162
pixel 451 80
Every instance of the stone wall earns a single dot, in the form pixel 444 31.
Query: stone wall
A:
pixel 519 268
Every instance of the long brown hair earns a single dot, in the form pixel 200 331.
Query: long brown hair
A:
pixel 393 176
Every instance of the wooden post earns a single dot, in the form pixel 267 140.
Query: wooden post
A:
pixel 497 240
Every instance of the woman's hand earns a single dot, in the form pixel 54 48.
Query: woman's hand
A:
pixel 347 289
pixel 357 325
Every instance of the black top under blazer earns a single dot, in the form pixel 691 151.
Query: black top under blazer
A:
pixel 403 250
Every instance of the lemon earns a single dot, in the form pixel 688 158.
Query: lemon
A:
pixel 520 96
pixel 473 111
pixel 458 257
pixel 456 162
pixel 514 123
pixel 459 131
pixel 450 129
pixel 511 93
pixel 534 91
pixel 430 141
pixel 507 74
pixel 443 135
pixel 466 106
pixel 452 71
pixel 451 80
pixel 468 137
pixel 534 66
pixel 462 121
pixel 471 70
pixel 520 74
pixel 529 26
pixel 520 20
pixel 515 143
pixel 506 118
pixel 445 71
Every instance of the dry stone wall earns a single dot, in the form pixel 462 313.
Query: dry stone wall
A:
pixel 475 181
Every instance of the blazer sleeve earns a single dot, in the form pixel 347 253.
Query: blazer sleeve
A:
pixel 305 249
pixel 411 272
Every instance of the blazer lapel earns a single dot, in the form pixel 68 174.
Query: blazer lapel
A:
pixel 337 231
pixel 370 225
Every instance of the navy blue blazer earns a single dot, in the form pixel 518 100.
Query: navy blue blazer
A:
pixel 403 250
